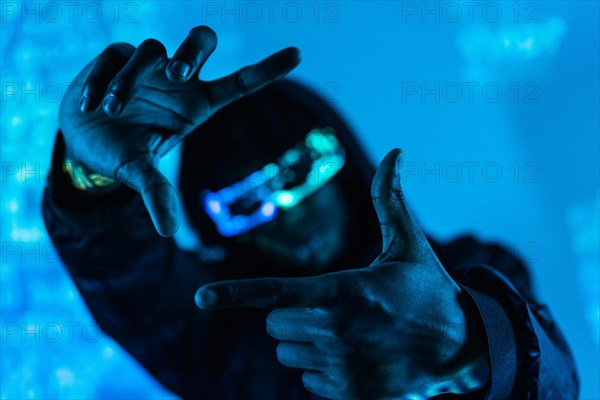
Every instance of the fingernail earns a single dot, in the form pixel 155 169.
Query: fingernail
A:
pixel 84 103
pixel 180 68
pixel 112 105
pixel 206 298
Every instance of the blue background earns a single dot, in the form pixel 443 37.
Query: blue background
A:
pixel 362 57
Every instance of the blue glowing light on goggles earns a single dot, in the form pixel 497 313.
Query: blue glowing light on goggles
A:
pixel 297 174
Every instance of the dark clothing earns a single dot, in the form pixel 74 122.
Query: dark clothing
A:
pixel 140 289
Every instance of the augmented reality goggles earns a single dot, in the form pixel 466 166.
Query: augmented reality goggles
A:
pixel 298 173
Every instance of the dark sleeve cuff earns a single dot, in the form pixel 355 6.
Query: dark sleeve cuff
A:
pixel 514 348
pixel 501 345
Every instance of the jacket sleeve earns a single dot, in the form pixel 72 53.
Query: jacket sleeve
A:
pixel 138 285
pixel 529 358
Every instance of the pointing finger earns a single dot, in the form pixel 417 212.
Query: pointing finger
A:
pixel 249 79
pixel 192 54
pixel 269 293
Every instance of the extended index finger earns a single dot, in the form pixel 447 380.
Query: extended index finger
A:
pixel 251 78
pixel 269 292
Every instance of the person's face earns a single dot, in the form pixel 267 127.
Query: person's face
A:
pixel 309 235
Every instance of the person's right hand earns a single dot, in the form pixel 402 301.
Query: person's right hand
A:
pixel 137 104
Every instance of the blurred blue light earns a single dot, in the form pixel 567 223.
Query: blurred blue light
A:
pixel 268 209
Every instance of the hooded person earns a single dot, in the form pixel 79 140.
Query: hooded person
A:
pixel 335 226
pixel 140 287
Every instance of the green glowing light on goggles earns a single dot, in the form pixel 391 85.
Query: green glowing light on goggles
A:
pixel 297 174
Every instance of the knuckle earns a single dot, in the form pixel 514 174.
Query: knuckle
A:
pixel 122 85
pixel 279 294
pixel 375 306
pixel 233 292
pixel 330 336
pixel 118 85
pixel 337 331
pixel 349 331
pixel 398 194
pixel 241 78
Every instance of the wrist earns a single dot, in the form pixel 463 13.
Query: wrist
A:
pixel 82 178
pixel 472 372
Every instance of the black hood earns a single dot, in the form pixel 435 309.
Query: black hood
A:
pixel 251 132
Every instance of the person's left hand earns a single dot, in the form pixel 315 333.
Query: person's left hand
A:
pixel 400 328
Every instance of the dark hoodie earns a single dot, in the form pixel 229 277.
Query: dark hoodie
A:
pixel 140 286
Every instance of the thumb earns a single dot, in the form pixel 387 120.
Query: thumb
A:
pixel 402 237
pixel 159 195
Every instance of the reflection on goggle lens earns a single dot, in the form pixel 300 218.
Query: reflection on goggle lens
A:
pixel 298 173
